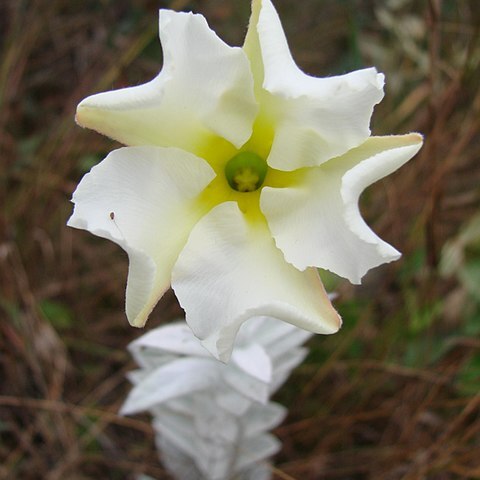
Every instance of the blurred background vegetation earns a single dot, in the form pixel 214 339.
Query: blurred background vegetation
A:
pixel 394 395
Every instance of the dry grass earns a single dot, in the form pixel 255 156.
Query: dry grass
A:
pixel 393 396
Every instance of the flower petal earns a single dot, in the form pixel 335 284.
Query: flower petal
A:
pixel 208 434
pixel 175 459
pixel 255 449
pixel 315 118
pixel 177 430
pixel 149 359
pixel 316 222
pixel 180 377
pixel 275 337
pixel 262 418
pixel 284 366
pixel 214 423
pixel 231 401
pixel 174 338
pixel 204 87
pixel 245 385
pixel 230 270
pixel 134 198
pixel 253 361
pixel 183 405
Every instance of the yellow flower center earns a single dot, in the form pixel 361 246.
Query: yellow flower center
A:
pixel 241 174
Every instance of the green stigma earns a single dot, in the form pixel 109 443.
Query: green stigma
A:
pixel 246 172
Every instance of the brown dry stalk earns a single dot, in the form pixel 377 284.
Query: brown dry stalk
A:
pixel 77 411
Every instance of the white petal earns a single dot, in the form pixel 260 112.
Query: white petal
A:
pixel 254 361
pixel 143 198
pixel 316 222
pixel 184 405
pixel 231 401
pixel 377 158
pixel 150 359
pixel 205 87
pixel 175 338
pixel 216 433
pixel 261 418
pixel 230 270
pixel 176 460
pixel 181 377
pixel 255 449
pixel 276 337
pixel 177 430
pixel 284 365
pixel 250 387
pixel 136 376
pixel 315 118
pixel 214 423
pixel 287 343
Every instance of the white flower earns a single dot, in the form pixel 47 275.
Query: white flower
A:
pixel 211 419
pixel 242 175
